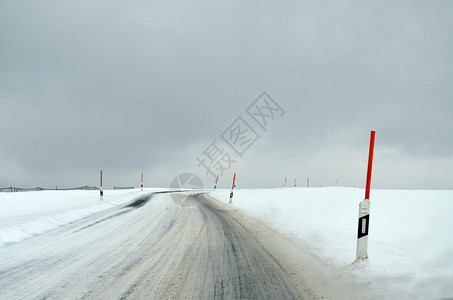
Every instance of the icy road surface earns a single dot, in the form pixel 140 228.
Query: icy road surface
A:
pixel 160 246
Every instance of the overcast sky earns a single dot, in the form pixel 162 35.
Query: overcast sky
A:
pixel 147 86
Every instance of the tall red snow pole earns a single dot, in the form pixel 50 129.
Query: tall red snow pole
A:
pixel 234 180
pixel 100 190
pixel 364 209
pixel 370 166
pixel 232 188
pixel 141 183
pixel 216 181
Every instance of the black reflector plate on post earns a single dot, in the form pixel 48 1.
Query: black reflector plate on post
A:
pixel 363 226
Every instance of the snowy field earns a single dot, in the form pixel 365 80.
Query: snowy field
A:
pixel 26 214
pixel 410 238
pixel 410 244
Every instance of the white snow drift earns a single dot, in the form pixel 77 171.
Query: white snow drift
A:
pixel 410 238
pixel 410 244
pixel 26 214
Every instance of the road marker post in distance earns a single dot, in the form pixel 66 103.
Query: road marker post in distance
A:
pixel 232 188
pixel 217 180
pixel 285 181
pixel 364 209
pixel 101 192
pixel 141 184
pixel 295 182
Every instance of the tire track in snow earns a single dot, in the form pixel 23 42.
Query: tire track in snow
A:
pixel 157 251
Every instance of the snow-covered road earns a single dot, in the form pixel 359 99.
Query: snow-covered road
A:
pixel 154 248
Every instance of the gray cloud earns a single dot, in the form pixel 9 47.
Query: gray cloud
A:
pixel 131 87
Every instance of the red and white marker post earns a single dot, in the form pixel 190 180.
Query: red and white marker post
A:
pixel 216 181
pixel 232 188
pixel 285 181
pixel 364 209
pixel 295 182
pixel 141 183
pixel 101 192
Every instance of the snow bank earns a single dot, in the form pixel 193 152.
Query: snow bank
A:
pixel 410 240
pixel 26 214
